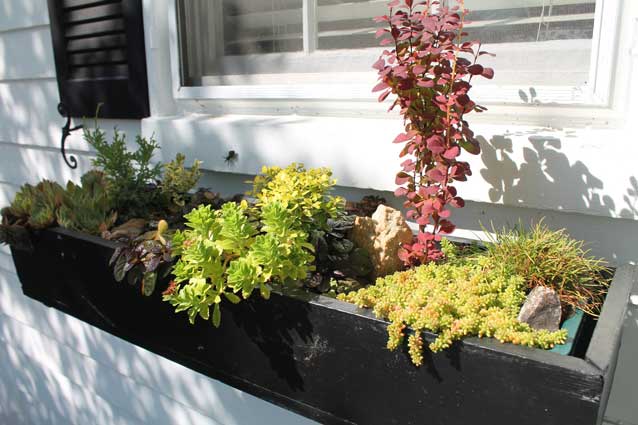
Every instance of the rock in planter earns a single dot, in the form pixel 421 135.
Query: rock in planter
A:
pixel 131 229
pixel 382 235
pixel 542 309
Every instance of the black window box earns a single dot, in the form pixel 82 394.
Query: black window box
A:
pixel 327 359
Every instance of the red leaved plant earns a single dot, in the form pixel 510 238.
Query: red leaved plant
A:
pixel 430 70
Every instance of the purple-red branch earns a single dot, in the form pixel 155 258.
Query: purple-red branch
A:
pixel 428 72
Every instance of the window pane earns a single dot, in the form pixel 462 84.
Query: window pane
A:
pixel 524 21
pixel 538 43
pixel 267 26
pixel 348 24
pixel 213 32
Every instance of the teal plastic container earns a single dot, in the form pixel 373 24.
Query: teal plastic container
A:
pixel 572 324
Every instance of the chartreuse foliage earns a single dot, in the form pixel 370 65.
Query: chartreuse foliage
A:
pixel 223 254
pixel 472 295
pixel 178 180
pixel 229 253
pixel 303 192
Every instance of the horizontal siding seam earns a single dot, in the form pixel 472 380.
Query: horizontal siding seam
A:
pixel 109 365
pixel 8 183
pixel 57 376
pixel 31 27
pixel 46 148
pixel 33 79
pixel 11 273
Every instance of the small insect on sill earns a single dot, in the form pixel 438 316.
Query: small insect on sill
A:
pixel 231 157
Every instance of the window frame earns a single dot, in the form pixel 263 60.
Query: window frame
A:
pixel 597 94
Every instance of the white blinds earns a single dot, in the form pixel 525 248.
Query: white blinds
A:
pixel 347 24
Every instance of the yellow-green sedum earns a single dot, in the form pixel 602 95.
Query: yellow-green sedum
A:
pixel 303 192
pixel 467 296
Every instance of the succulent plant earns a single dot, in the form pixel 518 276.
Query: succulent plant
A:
pixel 35 206
pixel 87 208
pixel 337 259
pixel 471 296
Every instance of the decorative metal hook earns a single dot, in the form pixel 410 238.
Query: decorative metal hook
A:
pixel 71 161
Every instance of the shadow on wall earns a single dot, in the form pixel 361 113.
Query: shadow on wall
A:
pixel 545 178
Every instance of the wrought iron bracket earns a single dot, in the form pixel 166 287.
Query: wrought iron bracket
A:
pixel 71 161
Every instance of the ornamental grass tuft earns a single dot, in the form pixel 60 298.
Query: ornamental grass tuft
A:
pixel 551 258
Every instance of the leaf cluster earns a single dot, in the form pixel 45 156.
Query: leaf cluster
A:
pixel 224 254
pixel 87 207
pixel 468 297
pixel 233 251
pixel 429 69
pixel 33 208
pixel 336 257
pixel 130 174
pixel 178 180
pixel 366 206
pixel 303 192
pixel 144 259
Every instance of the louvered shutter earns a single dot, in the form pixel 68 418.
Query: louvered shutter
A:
pixel 100 57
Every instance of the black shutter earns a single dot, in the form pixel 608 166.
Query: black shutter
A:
pixel 100 57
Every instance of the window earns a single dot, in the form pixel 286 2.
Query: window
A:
pixel 545 49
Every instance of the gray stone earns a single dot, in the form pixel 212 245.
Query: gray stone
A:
pixel 382 235
pixel 542 309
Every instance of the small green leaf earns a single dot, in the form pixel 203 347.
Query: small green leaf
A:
pixel 217 316
pixel 118 270
pixel 148 283
pixel 265 291
pixel 232 297
pixel 204 312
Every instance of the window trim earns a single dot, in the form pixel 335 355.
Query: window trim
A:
pixel 598 94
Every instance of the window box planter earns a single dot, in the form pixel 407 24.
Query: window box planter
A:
pixel 326 359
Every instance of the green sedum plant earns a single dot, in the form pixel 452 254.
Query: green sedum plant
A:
pixel 87 207
pixel 467 297
pixel 231 252
pixel 223 254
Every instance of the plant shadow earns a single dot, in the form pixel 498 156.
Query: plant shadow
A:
pixel 282 333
